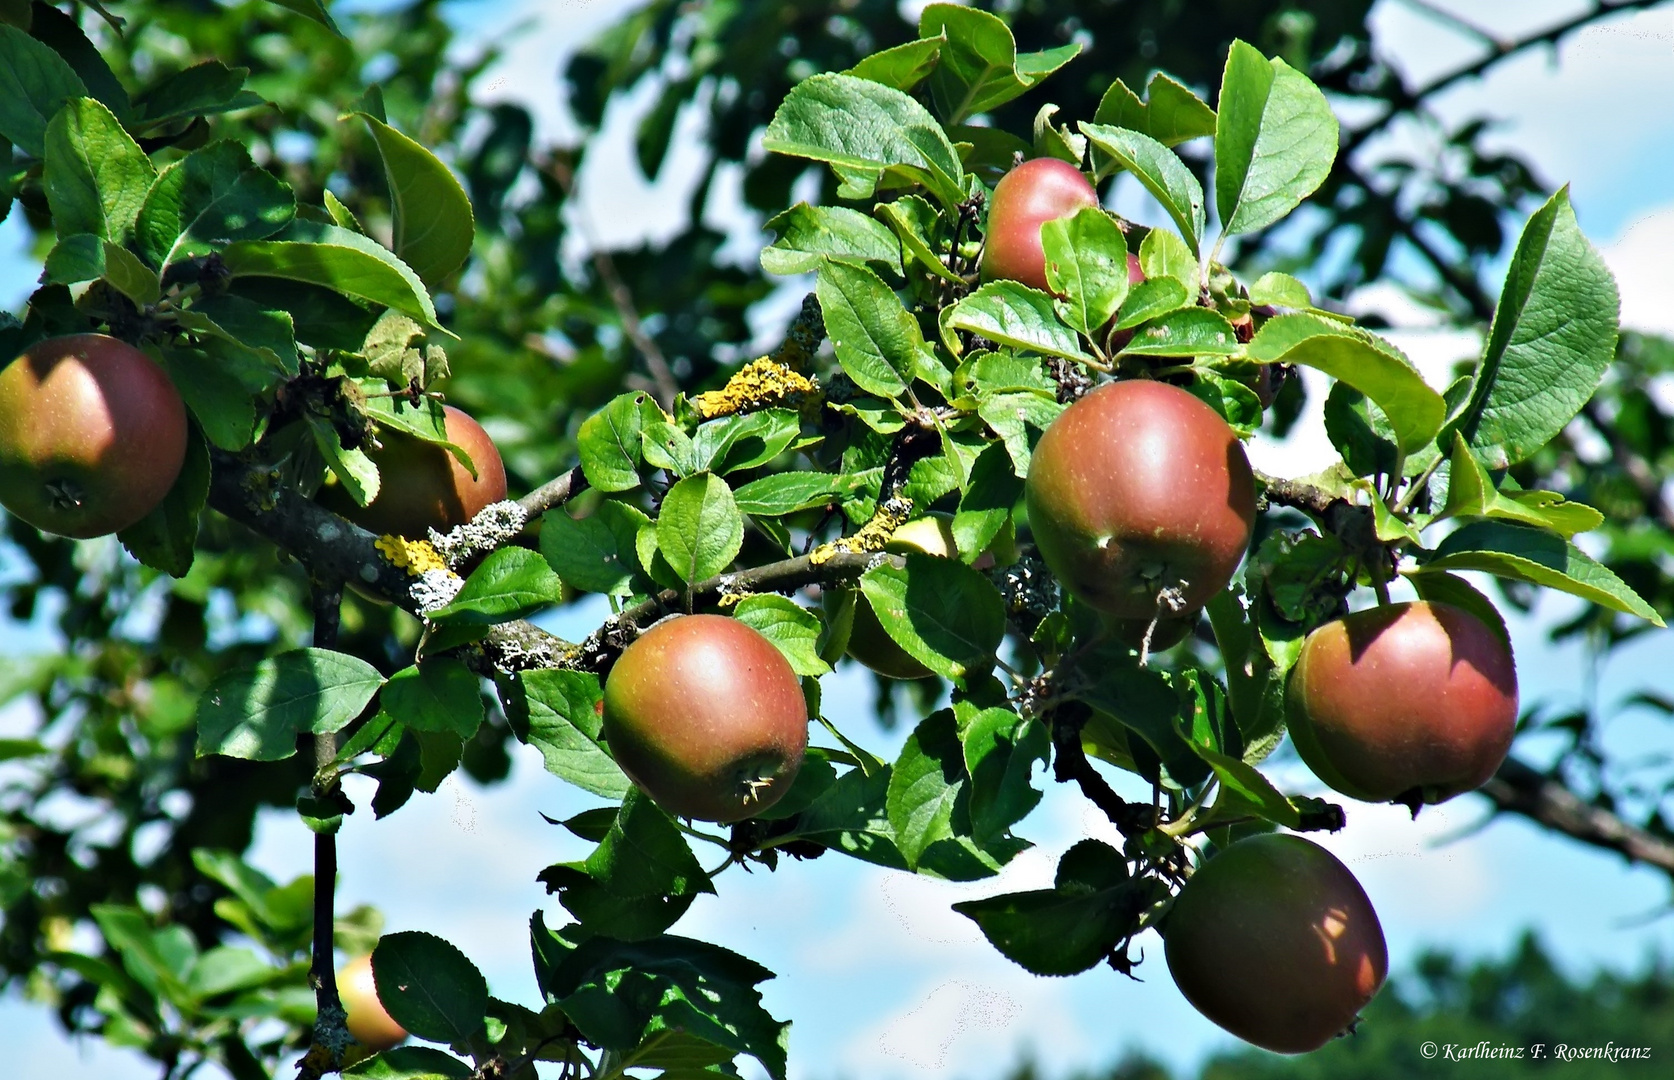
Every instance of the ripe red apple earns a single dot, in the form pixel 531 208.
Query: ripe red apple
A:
pixel 423 486
pixel 707 716
pixel 368 1021
pixel 1274 940
pixel 1140 489
pixel 1027 197
pixel 1412 702
pixel 92 435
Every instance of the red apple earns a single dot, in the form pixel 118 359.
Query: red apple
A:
pixel 1027 197
pixel 1413 702
pixel 1140 491
pixel 92 435
pixel 1274 940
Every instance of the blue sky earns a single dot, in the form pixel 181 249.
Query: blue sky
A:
pixel 880 978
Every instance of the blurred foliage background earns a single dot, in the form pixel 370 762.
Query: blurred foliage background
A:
pixel 105 802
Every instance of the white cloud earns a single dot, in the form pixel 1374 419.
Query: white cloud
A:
pixel 1640 257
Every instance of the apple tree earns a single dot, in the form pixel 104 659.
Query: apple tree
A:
pixel 1002 438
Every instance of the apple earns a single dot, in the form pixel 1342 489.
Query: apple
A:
pixel 706 715
pixel 1274 940
pixel 1027 197
pixel 1414 702
pixel 368 1021
pixel 422 486
pixel 1117 340
pixel 92 435
pixel 1141 500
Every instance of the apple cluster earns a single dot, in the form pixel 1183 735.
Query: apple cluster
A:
pixel 1142 502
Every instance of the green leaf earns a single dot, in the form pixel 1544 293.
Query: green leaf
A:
pixel 35 83
pixel 165 538
pixel 410 1062
pixel 808 235
pixel 1161 172
pixel 1471 493
pixel 344 262
pixel 979 68
pixel 1275 140
pixel 1251 787
pixel 920 230
pixel 157 959
pixel 860 125
pixel 1144 702
pixel 511 583
pixel 62 33
pixel 699 529
pixel 1237 403
pixel 1092 908
pixel 206 88
pixel 1151 298
pixel 1170 114
pixel 926 786
pixel 595 554
pixel 792 628
pixel 429 987
pixel 433 222
pixel 210 196
pixel 946 616
pixel 352 466
pixel 257 713
pixel 1364 361
pixel 668 447
pixel 1163 254
pixel 1539 558
pixel 902 67
pixel 788 492
pixel 1191 331
pixel 1087 264
pixel 440 694
pixel 1001 750
pixel 1274 289
pixel 220 402
pixel 75 258
pixel 877 342
pixel 130 277
pixel 266 333
pixel 638 881
pixel 746 441
pixel 1016 315
pixel 557 712
pixel 311 9
pixel 1554 333
pixel 620 994
pixel 986 503
pixel 610 442
pixel 95 176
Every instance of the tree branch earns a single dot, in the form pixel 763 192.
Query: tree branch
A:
pixel 1069 762
pixel 1518 789
pixel 331 1037
pixel 553 493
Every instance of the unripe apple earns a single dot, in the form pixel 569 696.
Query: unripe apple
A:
pixel 92 435
pixel 1027 197
pixel 368 1021
pixel 1415 702
pixel 1274 940
pixel 706 716
pixel 1141 500
pixel 422 485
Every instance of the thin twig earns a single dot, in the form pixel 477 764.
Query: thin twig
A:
pixel 553 493
pixel 1069 762
pixel 330 1036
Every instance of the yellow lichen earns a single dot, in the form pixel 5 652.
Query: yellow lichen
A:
pixel 872 536
pixel 414 556
pixel 760 384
